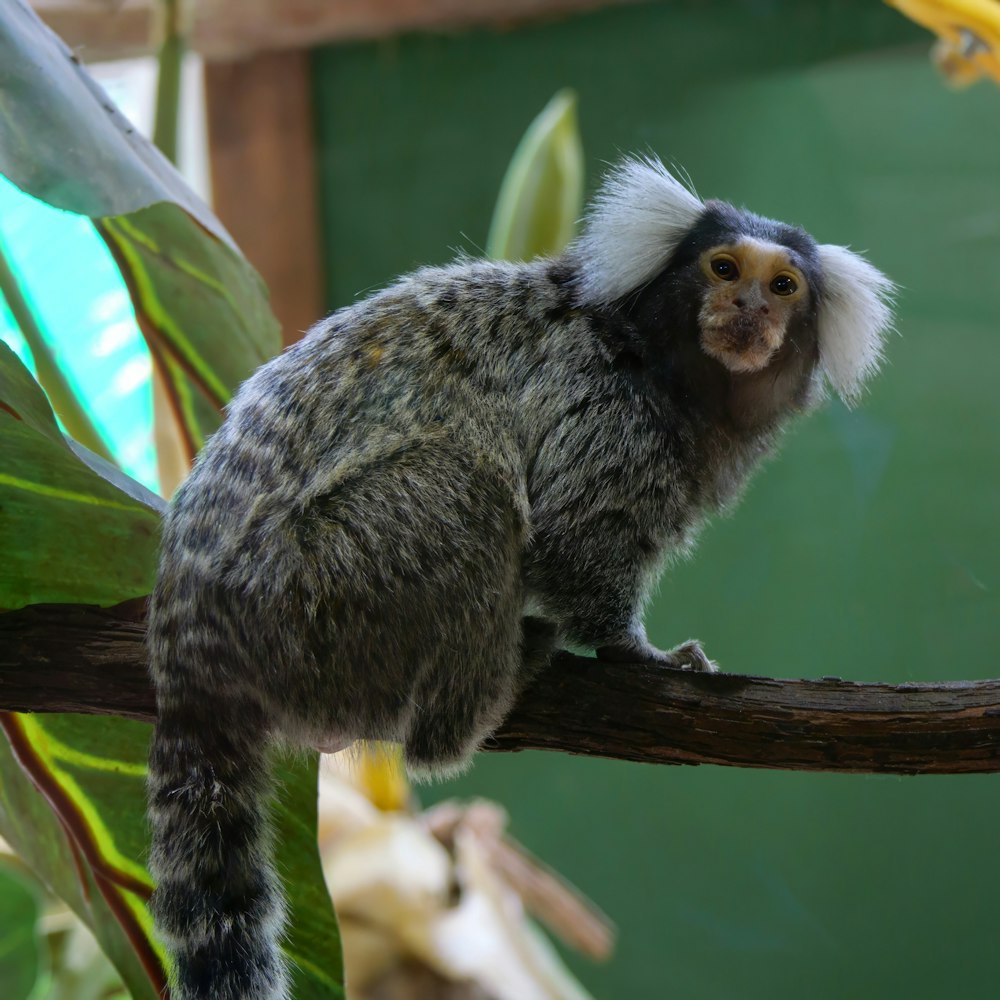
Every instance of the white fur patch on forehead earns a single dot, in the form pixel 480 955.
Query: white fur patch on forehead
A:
pixel 758 244
pixel 638 217
pixel 764 247
pixel 855 314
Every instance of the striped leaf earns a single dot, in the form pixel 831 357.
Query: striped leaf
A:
pixel 72 530
pixel 201 307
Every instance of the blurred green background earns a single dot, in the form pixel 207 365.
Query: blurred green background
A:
pixel 868 550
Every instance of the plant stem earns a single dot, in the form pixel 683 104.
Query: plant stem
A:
pixel 168 85
pixel 171 464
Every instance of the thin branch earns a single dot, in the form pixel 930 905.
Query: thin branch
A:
pixel 75 658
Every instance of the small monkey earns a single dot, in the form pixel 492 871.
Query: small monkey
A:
pixel 407 511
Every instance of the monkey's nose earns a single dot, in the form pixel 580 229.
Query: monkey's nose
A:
pixel 741 303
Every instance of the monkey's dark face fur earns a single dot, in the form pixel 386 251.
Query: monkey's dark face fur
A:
pixel 755 283
pixel 740 292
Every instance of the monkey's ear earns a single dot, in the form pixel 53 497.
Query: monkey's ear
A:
pixel 855 313
pixel 639 215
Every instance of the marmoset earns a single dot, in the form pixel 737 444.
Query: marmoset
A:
pixel 407 511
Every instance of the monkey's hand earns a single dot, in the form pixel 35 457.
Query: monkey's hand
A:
pixel 687 656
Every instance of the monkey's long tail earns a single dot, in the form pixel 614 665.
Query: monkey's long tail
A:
pixel 218 905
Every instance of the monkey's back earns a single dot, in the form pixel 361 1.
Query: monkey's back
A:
pixel 351 537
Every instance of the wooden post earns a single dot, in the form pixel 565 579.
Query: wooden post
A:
pixel 263 162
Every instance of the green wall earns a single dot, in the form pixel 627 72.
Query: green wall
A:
pixel 869 549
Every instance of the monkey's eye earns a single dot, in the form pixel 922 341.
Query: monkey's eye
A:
pixel 784 284
pixel 725 268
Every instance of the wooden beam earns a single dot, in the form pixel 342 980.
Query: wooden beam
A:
pixel 263 162
pixel 75 658
pixel 102 29
pixel 229 29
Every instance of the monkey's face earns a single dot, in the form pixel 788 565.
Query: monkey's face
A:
pixel 753 291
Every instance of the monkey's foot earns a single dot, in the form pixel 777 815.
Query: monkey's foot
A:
pixel 690 656
pixel 687 656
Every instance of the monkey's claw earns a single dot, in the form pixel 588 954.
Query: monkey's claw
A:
pixel 687 656
pixel 690 656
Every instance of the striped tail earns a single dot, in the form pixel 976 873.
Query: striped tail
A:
pixel 218 905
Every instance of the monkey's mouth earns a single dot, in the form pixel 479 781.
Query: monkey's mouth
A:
pixel 741 343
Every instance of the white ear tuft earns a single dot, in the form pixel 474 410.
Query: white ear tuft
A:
pixel 638 217
pixel 855 313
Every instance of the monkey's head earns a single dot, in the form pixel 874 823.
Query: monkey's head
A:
pixel 749 285
pixel 750 289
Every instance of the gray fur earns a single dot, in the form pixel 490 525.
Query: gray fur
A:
pixel 354 553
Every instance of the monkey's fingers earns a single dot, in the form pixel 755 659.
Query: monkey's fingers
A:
pixel 687 656
pixel 690 656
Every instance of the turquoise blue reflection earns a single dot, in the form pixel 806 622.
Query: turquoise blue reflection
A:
pixel 83 308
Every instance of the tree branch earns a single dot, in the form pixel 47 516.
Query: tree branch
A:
pixel 76 658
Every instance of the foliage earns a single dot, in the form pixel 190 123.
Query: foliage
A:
pixel 71 787
pixel 21 957
pixel 542 192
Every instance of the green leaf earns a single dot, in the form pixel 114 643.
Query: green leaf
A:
pixel 22 398
pixel 69 789
pixel 203 310
pixel 63 141
pixel 20 947
pixel 116 477
pixel 66 533
pixel 86 837
pixel 541 196
pixel 312 943
pixel 72 799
